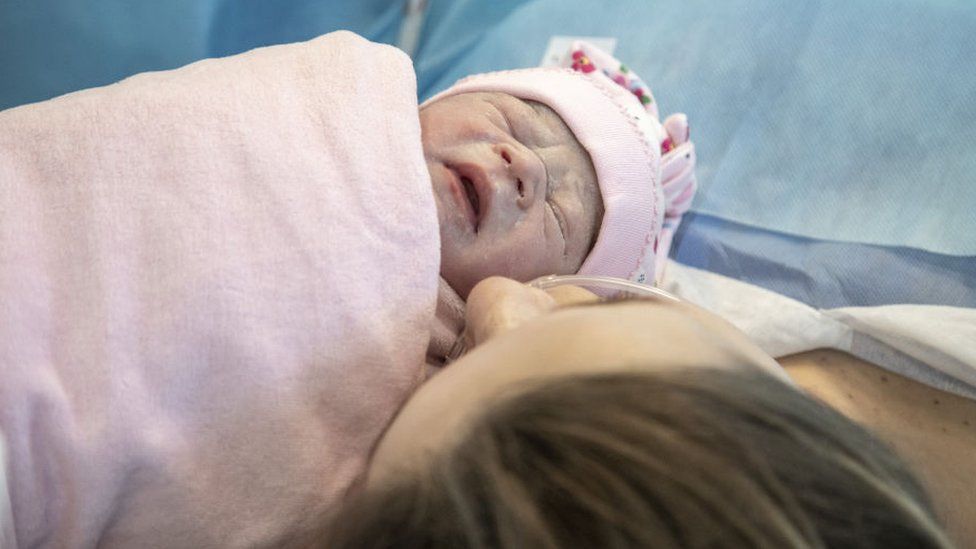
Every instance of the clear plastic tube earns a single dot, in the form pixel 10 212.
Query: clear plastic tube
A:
pixel 603 286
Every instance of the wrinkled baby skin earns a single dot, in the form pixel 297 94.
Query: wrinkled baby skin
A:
pixel 516 193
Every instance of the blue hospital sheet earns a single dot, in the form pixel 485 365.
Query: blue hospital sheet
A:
pixel 240 25
pixel 51 47
pixel 843 120
pixel 825 274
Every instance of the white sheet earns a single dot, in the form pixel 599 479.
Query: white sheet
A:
pixel 934 345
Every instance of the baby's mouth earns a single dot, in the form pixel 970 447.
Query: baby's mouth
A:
pixel 469 191
pixel 472 195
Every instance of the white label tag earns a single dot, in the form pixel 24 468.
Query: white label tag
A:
pixel 559 46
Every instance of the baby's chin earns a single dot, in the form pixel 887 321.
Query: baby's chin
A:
pixel 466 261
pixel 462 267
pixel 464 272
pixel 460 284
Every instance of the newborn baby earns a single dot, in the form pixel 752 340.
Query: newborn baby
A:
pixel 548 171
pixel 218 282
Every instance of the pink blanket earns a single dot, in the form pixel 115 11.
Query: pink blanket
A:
pixel 216 286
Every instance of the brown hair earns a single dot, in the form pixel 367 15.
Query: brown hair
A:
pixel 699 459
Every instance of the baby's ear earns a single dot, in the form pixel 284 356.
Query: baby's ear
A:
pixel 677 127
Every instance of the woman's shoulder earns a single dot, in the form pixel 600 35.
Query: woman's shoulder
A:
pixel 932 430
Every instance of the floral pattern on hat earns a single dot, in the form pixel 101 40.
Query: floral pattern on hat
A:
pixel 582 63
pixel 586 58
pixel 677 151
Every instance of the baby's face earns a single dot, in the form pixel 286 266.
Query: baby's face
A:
pixel 516 193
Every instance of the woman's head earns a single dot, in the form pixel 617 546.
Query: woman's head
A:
pixel 520 335
pixel 573 424
pixel 701 458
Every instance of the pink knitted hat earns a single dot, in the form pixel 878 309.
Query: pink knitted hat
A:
pixel 645 169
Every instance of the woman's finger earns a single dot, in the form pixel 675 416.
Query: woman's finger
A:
pixel 566 296
pixel 497 305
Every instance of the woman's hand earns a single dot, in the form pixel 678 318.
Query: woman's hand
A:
pixel 497 305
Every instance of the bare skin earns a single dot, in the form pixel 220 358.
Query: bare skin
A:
pixel 935 432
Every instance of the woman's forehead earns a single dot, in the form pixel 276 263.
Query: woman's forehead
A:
pixel 625 336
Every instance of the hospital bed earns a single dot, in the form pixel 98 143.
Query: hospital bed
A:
pixel 834 137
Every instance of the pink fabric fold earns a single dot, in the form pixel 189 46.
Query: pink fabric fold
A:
pixel 216 287
pixel 678 183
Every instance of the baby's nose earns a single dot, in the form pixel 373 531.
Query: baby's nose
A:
pixel 518 170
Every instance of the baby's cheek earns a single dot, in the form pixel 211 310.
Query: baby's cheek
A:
pixel 523 253
pixel 534 254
